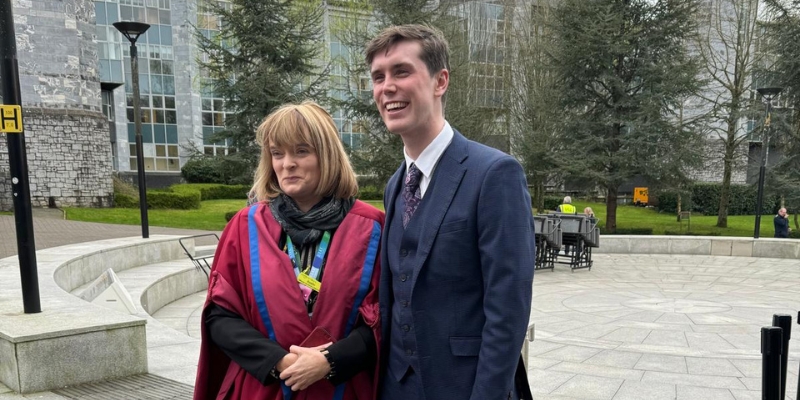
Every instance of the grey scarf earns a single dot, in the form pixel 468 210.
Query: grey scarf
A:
pixel 305 228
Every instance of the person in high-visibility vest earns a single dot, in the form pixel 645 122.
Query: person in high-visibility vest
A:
pixel 567 207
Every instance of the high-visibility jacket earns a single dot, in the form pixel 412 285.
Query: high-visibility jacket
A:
pixel 567 209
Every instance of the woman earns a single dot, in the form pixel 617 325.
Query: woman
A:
pixel 292 306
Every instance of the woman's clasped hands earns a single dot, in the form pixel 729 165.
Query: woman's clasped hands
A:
pixel 303 366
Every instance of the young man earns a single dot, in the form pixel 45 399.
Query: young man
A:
pixel 458 246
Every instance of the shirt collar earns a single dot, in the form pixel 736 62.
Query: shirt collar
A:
pixel 427 160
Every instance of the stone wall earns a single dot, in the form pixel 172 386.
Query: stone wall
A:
pixel 69 159
pixel 67 137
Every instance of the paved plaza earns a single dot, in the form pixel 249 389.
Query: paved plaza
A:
pixel 634 327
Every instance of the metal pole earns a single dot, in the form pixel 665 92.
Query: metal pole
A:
pixel 784 321
pixel 762 171
pixel 771 343
pixel 23 217
pixel 139 152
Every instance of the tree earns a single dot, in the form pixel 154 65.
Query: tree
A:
pixel 535 111
pixel 258 55
pixel 624 70
pixel 784 47
pixel 476 100
pixel 726 45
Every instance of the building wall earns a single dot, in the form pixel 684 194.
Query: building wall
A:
pixel 67 139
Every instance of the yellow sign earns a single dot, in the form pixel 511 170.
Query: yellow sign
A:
pixel 10 119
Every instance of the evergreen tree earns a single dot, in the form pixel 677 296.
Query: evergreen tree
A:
pixel 264 53
pixel 625 70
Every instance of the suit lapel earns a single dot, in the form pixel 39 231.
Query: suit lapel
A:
pixel 392 189
pixel 447 178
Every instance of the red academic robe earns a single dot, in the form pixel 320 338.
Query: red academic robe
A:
pixel 254 278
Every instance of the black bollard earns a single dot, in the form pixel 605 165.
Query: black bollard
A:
pixel 784 321
pixel 771 344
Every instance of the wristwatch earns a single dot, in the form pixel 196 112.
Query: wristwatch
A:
pixel 328 358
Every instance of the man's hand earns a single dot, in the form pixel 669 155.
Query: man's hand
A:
pixel 309 367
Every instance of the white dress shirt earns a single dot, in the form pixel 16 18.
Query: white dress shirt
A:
pixel 427 160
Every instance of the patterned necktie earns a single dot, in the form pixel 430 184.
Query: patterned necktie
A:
pixel 411 193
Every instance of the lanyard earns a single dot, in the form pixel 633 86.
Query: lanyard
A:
pixel 316 265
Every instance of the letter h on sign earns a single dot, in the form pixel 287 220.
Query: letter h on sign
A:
pixel 10 119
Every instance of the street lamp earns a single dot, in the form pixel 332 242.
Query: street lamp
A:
pixel 132 31
pixel 768 94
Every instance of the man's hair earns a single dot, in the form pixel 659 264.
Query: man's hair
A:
pixel 309 124
pixel 567 199
pixel 435 50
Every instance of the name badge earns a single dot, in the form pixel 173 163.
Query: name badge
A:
pixel 309 282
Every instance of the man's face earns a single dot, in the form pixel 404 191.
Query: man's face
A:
pixel 407 96
pixel 782 212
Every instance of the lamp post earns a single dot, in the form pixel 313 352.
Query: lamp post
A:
pixel 768 94
pixel 132 31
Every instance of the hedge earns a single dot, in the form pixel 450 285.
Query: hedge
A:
pixel 159 199
pixel 225 192
pixel 703 198
pixel 173 200
pixel 369 193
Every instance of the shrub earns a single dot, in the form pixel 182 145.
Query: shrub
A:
pixel 125 201
pixel 703 198
pixel 668 201
pixel 225 192
pixel 794 234
pixel 369 193
pixel 173 200
pixel 551 202
pixel 228 170
pixel 202 170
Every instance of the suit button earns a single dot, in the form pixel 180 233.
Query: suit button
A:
pixel 404 303
pixel 409 352
pixel 403 277
pixel 406 328
pixel 403 252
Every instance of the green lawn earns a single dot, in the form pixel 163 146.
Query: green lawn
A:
pixel 211 216
pixel 630 217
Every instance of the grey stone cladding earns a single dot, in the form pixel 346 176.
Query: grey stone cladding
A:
pixel 67 137
pixel 68 159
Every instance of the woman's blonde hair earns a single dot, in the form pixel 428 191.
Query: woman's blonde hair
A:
pixel 309 124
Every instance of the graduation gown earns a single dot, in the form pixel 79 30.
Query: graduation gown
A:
pixel 254 278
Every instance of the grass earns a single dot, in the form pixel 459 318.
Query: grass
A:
pixel 631 217
pixel 211 216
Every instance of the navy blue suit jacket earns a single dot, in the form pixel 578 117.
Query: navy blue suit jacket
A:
pixel 473 273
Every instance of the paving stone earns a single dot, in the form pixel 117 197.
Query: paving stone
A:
pixel 717 382
pixel 614 358
pixel 597 370
pixel 627 335
pixel 544 381
pixel 594 386
pixel 660 362
pixel 712 366
pixel 635 390
pixel 571 353
pixel 666 338
pixel 694 393
pixel 739 394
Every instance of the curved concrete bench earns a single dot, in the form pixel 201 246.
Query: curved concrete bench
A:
pixel 71 341
pixel 700 245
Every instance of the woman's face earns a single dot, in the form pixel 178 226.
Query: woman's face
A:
pixel 298 172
